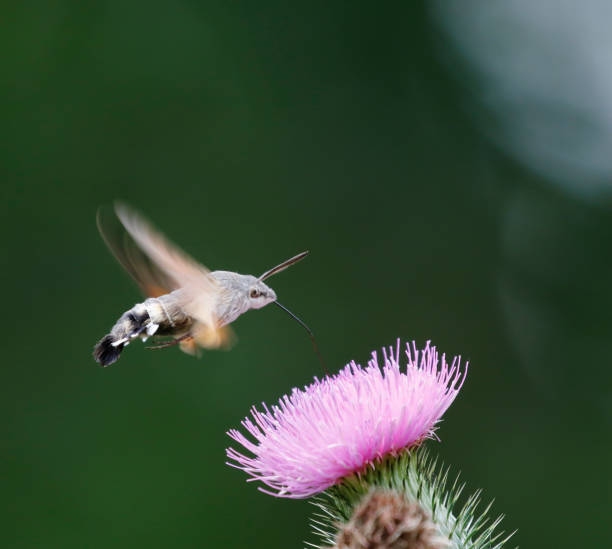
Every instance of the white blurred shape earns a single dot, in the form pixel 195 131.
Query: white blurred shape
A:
pixel 544 70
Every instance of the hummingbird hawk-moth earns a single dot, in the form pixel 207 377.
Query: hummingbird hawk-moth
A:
pixel 185 301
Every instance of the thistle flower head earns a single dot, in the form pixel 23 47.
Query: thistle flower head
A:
pixel 340 425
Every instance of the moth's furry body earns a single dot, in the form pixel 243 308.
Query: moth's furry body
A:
pixel 165 315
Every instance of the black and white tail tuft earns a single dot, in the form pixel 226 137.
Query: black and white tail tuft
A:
pixel 105 352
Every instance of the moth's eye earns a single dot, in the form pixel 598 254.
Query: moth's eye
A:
pixel 254 293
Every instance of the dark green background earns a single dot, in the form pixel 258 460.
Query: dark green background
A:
pixel 249 131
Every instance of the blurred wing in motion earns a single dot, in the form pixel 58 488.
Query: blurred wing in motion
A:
pixel 211 338
pixel 150 279
pixel 177 267
pixel 160 267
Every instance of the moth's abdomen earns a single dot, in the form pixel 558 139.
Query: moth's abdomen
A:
pixel 161 315
pixel 129 326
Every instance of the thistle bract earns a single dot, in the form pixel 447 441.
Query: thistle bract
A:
pixel 344 423
pixel 405 501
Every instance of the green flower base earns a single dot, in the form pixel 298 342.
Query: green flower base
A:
pixel 418 478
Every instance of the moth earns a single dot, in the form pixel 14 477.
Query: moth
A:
pixel 186 302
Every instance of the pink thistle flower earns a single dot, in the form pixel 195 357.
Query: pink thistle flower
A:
pixel 344 423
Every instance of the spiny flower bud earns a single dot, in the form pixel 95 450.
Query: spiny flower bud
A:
pixel 386 520
pixel 405 499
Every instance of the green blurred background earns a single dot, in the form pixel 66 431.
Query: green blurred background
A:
pixel 371 135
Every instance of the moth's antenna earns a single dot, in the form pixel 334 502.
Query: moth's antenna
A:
pixel 283 266
pixel 312 337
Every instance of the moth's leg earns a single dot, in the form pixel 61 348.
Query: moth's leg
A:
pixel 170 343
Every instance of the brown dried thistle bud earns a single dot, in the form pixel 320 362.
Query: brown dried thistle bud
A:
pixel 386 520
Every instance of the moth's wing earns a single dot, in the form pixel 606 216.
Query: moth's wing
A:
pixel 174 264
pixel 190 347
pixel 212 337
pixel 151 280
pixel 206 330
pixel 203 337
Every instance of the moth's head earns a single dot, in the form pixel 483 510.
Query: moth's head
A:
pixel 259 294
